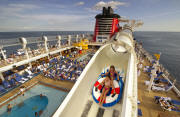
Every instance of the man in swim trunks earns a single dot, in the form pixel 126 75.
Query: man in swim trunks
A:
pixel 108 83
pixel 112 73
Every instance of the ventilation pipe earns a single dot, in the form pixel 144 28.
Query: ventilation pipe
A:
pixel 69 40
pixel 59 41
pixel 77 37
pixel 23 42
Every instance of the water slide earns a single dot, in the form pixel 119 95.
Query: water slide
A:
pixel 79 101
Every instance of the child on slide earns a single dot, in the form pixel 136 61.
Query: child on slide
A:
pixel 112 73
pixel 108 83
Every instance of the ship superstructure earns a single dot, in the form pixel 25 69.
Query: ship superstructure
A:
pixel 107 24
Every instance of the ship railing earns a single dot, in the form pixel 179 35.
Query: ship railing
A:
pixel 32 40
pixel 166 73
pixel 38 46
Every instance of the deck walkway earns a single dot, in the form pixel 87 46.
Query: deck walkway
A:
pixel 147 105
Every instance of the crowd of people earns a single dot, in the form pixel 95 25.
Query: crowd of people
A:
pixel 66 68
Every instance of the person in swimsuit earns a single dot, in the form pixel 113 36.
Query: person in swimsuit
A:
pixel 9 108
pixel 112 73
pixel 108 83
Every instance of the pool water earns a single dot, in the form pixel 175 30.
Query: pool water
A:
pixel 32 102
pixel 28 107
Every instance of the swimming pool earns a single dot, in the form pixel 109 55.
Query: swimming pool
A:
pixel 49 105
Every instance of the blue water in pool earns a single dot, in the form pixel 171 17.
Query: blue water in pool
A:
pixel 28 107
pixel 54 100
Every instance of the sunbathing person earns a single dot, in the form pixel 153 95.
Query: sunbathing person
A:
pixel 112 73
pixel 108 83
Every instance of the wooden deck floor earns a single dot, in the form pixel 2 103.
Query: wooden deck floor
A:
pixel 147 105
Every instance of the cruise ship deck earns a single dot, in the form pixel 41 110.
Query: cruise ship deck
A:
pixel 147 102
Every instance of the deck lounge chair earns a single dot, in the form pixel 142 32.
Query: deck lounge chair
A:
pixel 175 102
pixel 177 110
pixel 159 74
pixel 139 112
pixel 6 84
pixel 2 89
pixel 28 74
pixel 19 78
pixel 12 82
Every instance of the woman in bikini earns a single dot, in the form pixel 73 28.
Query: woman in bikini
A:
pixel 108 83
pixel 112 73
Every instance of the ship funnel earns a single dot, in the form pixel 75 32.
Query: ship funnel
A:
pixel 107 24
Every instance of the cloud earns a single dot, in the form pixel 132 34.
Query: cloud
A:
pixel 47 22
pixel 13 9
pixel 113 4
pixel 23 6
pixel 79 3
pixel 24 17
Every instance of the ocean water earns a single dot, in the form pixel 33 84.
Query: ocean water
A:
pixel 168 43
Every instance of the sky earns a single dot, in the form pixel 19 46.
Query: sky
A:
pixel 79 15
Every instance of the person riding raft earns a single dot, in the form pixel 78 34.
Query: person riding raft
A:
pixel 112 73
pixel 107 83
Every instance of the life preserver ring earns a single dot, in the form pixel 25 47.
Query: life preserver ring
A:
pixel 110 100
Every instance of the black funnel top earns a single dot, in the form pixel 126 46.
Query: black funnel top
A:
pixel 107 13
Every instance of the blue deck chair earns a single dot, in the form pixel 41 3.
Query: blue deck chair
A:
pixel 12 82
pixel 175 102
pixel 50 74
pixel 161 79
pixel 6 84
pixel 18 78
pixel 177 110
pixel 139 112
pixel 2 89
pixel 159 74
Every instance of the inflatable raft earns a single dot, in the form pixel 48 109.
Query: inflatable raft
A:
pixel 110 98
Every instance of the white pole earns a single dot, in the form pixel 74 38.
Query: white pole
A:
pixel 1 76
pixel 83 36
pixel 59 41
pixel 2 52
pixel 69 40
pixel 45 43
pixel 77 37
